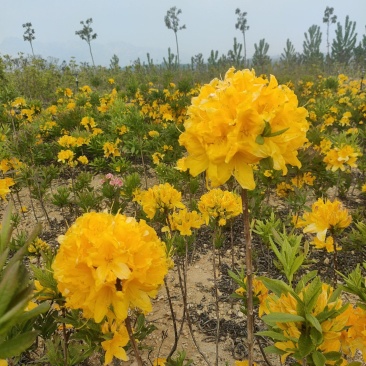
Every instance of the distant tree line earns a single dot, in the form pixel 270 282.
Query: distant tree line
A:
pixel 343 49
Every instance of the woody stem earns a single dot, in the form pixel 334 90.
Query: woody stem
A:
pixel 249 273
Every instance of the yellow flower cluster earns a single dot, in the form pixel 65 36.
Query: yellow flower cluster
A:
pixel 111 148
pixel 331 327
pixel 114 346
pixel 161 198
pixel 325 216
pixel 107 264
pixel 220 206
pixel 38 246
pixel 65 156
pixel 5 185
pixel 260 293
pixel 184 221
pixel 237 122
pixel 339 158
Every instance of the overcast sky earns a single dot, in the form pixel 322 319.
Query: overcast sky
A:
pixel 132 28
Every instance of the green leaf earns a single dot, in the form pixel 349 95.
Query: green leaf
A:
pixel 15 346
pixel 274 318
pixel 274 349
pixel 305 345
pixel 274 335
pixel 259 140
pixel 314 322
pixel 6 228
pixel 40 309
pixel 277 286
pixel 318 358
pixel 304 280
pixel 8 286
pixel 354 363
pixel 333 356
pixel 316 336
pixel 312 293
pixel 280 132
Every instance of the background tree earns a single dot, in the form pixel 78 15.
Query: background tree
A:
pixel 311 45
pixel 344 43
pixel 241 24
pixel 360 54
pixel 329 19
pixel 86 34
pixel 260 58
pixel 172 22
pixel 289 56
pixel 114 63
pixel 234 55
pixel 29 34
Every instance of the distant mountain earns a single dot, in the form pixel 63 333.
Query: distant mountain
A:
pixel 127 53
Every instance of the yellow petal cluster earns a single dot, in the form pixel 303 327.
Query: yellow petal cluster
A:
pixel 325 216
pixel 107 264
pixel 220 206
pixel 184 221
pixel 113 346
pixel 332 328
pixel 236 122
pixel 161 198
pixel 5 185
pixel 340 158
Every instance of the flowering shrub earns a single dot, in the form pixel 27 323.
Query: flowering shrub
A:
pixel 107 264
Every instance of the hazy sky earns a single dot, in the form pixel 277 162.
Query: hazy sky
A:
pixel 131 28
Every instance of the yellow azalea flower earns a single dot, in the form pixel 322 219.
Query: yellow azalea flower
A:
pixel 18 102
pixel 86 89
pixel 71 106
pixel 5 185
pixel 220 206
pixel 88 123
pixel 162 198
pixel 65 156
pixel 237 122
pixel 111 81
pixel 5 165
pixel 67 141
pixel 97 131
pixel 107 264
pixel 30 306
pixel 111 149
pixel 244 363
pixel 68 92
pixel 43 293
pixel 363 188
pixel 52 110
pixel 83 159
pixel 38 246
pixel 339 158
pixel 114 347
pixel 159 362
pixel 183 221
pixel 324 216
pixel 122 130
pixel 157 157
pixel 327 244
pixel 154 133
pixel 260 293
pixel 287 346
pixel 325 145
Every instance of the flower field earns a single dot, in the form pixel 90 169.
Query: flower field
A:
pixel 112 199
